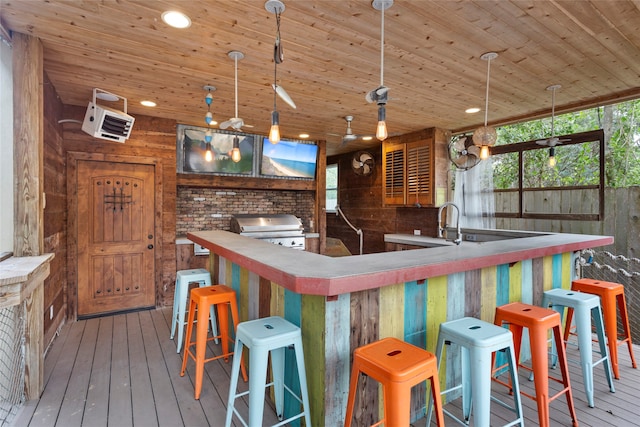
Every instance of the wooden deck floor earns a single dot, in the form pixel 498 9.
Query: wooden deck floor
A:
pixel 124 371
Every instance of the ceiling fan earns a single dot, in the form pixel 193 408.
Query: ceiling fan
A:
pixel 235 122
pixel 463 153
pixel 363 163
pixel 553 140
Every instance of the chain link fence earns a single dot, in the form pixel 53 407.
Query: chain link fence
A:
pixel 12 362
pixel 607 267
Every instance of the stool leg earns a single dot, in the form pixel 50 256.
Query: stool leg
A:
pixel 596 314
pixel 480 387
pixel 564 368
pixel 277 370
pixel 174 313
pixel 302 374
pixel 611 325
pixel 438 354
pixel 468 360
pixel 201 348
pixel 223 319
pixel 540 365
pixel 257 381
pixel 622 303
pixel 235 317
pixel 192 310
pixel 233 384
pixel 397 412
pixel 182 307
pixel 513 375
pixel 353 389
pixel 583 326
pixel 436 400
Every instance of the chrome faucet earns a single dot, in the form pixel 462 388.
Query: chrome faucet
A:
pixel 458 240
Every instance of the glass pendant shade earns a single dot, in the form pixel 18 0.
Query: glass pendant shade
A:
pixel 208 155
pixel 208 137
pixel 208 117
pixel 235 152
pixel 485 137
pixel 552 157
pixel 381 130
pixel 274 132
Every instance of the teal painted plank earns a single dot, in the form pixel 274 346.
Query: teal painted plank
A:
pixel 293 313
pixel 455 296
pixel 235 278
pixel 502 285
pixel 415 314
pixel 556 265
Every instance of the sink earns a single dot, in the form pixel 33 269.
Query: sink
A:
pixel 469 236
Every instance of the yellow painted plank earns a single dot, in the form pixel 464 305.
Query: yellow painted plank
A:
pixel 515 282
pixel 488 293
pixel 392 319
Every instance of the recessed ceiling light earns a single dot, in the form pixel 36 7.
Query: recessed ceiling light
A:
pixel 367 138
pixel 472 110
pixel 176 19
pixel 304 135
pixel 148 103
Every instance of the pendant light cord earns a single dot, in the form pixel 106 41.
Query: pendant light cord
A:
pixel 553 109
pixel 486 96
pixel 275 62
pixel 382 46
pixel 236 83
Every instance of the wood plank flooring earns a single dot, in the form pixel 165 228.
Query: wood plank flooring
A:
pixel 124 371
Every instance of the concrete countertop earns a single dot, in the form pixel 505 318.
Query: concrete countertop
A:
pixel 309 273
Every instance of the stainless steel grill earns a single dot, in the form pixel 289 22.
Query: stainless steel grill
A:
pixel 280 229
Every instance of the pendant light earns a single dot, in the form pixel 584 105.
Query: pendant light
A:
pixel 486 136
pixel 208 118
pixel 380 94
pixel 276 7
pixel 235 151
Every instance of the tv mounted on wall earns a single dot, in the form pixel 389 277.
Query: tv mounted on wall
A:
pixel 192 148
pixel 289 159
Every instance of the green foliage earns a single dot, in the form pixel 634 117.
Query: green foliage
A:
pixel 576 164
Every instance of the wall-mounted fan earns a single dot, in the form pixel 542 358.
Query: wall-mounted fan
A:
pixel 463 153
pixel 363 163
pixel 553 140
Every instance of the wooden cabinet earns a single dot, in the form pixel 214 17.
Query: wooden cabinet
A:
pixel 408 169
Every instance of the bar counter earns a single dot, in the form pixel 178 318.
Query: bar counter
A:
pixel 343 303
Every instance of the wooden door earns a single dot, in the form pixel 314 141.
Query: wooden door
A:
pixel 115 237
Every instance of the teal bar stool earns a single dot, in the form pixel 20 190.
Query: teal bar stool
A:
pixel 264 337
pixel 478 341
pixel 180 294
pixel 585 308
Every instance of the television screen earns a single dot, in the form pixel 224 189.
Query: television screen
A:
pixel 290 159
pixel 192 152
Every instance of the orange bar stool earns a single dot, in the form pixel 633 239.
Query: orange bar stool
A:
pixel 398 366
pixel 539 321
pixel 202 299
pixel 611 295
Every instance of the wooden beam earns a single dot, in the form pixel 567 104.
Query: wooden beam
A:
pixel 28 145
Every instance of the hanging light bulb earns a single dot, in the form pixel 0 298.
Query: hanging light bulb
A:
pixel 274 132
pixel 235 152
pixel 381 130
pixel 208 155
pixel 552 157
pixel 486 136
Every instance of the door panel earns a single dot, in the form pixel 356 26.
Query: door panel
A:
pixel 115 237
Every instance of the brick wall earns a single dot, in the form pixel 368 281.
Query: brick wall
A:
pixel 201 209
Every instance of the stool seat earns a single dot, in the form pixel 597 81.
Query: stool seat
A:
pixel 203 301
pixel 180 294
pixel 611 296
pixel 586 307
pixel 539 321
pixel 478 341
pixel 264 337
pixel 397 366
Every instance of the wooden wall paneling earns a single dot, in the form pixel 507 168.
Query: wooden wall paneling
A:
pixel 321 194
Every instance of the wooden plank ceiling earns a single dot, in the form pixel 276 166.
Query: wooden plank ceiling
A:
pixel 332 59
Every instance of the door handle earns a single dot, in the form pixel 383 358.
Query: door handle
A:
pixel 150 247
